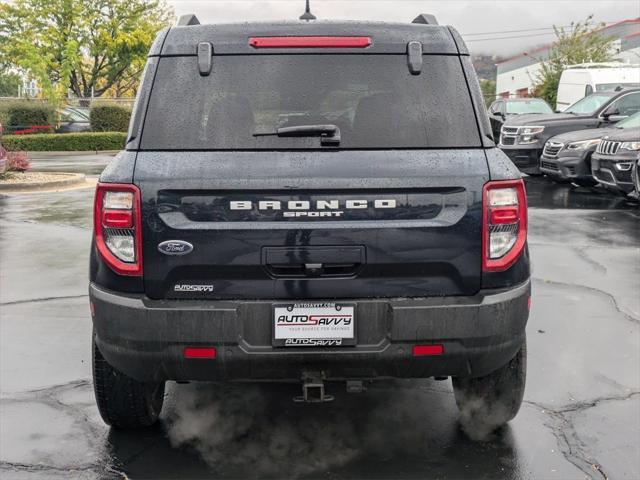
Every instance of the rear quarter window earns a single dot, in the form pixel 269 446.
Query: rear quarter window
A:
pixel 373 99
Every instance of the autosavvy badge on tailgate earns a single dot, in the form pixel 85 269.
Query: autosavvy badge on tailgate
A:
pixel 313 325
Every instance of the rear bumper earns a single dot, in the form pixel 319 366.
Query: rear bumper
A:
pixel 145 338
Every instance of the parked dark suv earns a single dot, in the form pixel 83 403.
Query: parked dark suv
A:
pixel 523 137
pixel 614 158
pixel 309 202
pixel 567 157
pixel 504 108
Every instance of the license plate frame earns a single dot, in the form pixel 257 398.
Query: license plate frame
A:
pixel 339 329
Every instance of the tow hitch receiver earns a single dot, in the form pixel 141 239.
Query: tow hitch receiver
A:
pixel 313 389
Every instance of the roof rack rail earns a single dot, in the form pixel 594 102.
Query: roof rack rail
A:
pixel 425 19
pixel 187 20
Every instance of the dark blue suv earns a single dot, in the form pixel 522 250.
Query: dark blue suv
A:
pixel 310 202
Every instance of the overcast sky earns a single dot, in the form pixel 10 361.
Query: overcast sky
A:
pixel 468 16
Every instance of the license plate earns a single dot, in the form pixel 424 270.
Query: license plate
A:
pixel 313 325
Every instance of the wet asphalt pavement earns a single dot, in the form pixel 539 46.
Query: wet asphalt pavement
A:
pixel 580 419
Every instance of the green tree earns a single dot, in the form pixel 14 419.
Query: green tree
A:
pixel 488 88
pixel 580 43
pixel 9 84
pixel 84 46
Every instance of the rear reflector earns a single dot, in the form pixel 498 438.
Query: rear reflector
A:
pixel 310 42
pixel 424 350
pixel 117 218
pixel 200 352
pixel 504 215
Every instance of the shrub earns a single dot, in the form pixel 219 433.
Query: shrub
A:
pixel 18 162
pixel 109 118
pixel 24 113
pixel 65 142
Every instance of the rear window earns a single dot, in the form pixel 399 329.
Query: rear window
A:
pixel 373 99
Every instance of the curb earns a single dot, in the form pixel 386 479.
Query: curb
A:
pixel 76 179
pixel 73 153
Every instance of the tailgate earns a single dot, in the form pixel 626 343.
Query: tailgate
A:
pixel 311 225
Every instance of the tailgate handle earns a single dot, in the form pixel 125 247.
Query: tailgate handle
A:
pixel 313 269
pixel 313 262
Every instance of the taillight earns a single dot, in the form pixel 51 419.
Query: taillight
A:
pixel 118 227
pixel 504 224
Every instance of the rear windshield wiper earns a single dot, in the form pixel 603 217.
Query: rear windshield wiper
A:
pixel 329 134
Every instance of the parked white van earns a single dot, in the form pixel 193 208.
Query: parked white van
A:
pixel 578 81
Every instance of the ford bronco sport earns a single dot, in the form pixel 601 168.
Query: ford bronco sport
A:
pixel 318 202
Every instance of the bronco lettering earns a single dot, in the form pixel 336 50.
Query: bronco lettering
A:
pixel 304 205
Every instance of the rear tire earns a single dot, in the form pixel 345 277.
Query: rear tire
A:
pixel 493 400
pixel 123 402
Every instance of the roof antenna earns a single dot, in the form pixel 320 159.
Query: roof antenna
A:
pixel 307 15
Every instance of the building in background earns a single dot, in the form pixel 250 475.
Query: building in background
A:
pixel 29 88
pixel 15 84
pixel 516 75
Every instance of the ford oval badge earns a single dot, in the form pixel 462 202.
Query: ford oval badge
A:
pixel 175 247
